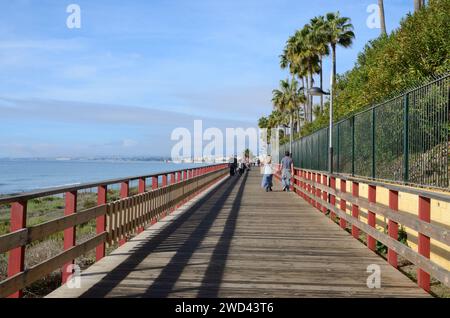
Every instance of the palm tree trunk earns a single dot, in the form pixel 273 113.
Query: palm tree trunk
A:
pixel 418 4
pixel 307 100
pixel 382 17
pixel 321 83
pixel 298 120
pixel 311 98
pixel 291 135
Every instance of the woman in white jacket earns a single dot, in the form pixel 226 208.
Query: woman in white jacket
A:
pixel 267 172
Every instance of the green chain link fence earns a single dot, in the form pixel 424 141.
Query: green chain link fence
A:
pixel 405 139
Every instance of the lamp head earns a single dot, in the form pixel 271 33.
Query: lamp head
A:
pixel 317 91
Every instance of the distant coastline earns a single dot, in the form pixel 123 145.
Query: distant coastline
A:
pixel 18 175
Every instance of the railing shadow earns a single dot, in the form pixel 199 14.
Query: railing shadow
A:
pixel 184 235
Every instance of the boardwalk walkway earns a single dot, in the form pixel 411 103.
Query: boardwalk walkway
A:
pixel 238 241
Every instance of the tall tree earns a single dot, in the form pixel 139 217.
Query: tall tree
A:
pixel 382 17
pixel 287 100
pixel 319 40
pixel 307 61
pixel 339 32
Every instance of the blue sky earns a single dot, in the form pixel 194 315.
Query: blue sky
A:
pixel 138 69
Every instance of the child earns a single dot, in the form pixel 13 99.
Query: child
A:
pixel 267 171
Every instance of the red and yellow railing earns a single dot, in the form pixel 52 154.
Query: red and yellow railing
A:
pixel 115 221
pixel 376 209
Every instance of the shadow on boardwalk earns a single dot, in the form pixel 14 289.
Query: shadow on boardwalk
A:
pixel 184 244
pixel 239 241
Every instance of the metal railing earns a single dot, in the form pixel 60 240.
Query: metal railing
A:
pixel 405 139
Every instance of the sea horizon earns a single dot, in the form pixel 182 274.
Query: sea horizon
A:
pixel 19 175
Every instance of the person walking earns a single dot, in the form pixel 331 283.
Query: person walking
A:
pixel 267 171
pixel 231 166
pixel 287 171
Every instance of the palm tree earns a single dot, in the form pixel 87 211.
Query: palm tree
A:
pixel 319 41
pixel 339 31
pixel 287 100
pixel 290 59
pixel 305 60
pixel 382 17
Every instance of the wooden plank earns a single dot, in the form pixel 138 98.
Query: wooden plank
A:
pixel 41 231
pixel 434 231
pixel 13 240
pixel 36 272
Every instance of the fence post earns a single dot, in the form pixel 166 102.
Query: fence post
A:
pixel 124 193
pixel 355 209
pixel 353 144
pixel 16 260
pixel 405 138
pixel 337 148
pixel 393 227
pixel 319 192
pixel 324 193
pixel 373 143
pixel 154 182
pixel 371 219
pixel 101 221
pixel 142 184
pixel 423 278
pixel 69 233
pixel 343 203
pixel 332 197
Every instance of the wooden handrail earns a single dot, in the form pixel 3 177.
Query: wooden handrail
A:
pixel 116 221
pixel 314 187
pixel 440 193
pixel 89 185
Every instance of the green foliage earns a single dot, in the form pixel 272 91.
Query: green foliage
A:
pixel 419 49
pixel 402 238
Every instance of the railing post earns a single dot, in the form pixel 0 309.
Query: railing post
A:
pixel 332 197
pixel 371 218
pixel 142 184
pixel 124 193
pixel 101 221
pixel 310 200
pixel 313 190
pixel 324 193
pixel 301 183
pixel 355 209
pixel 69 233
pixel 423 278
pixel 154 182
pixel 318 192
pixel 164 180
pixel 172 178
pixel 393 227
pixel 343 203
pixel 16 259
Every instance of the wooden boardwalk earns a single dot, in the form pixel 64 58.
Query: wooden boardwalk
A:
pixel 236 240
